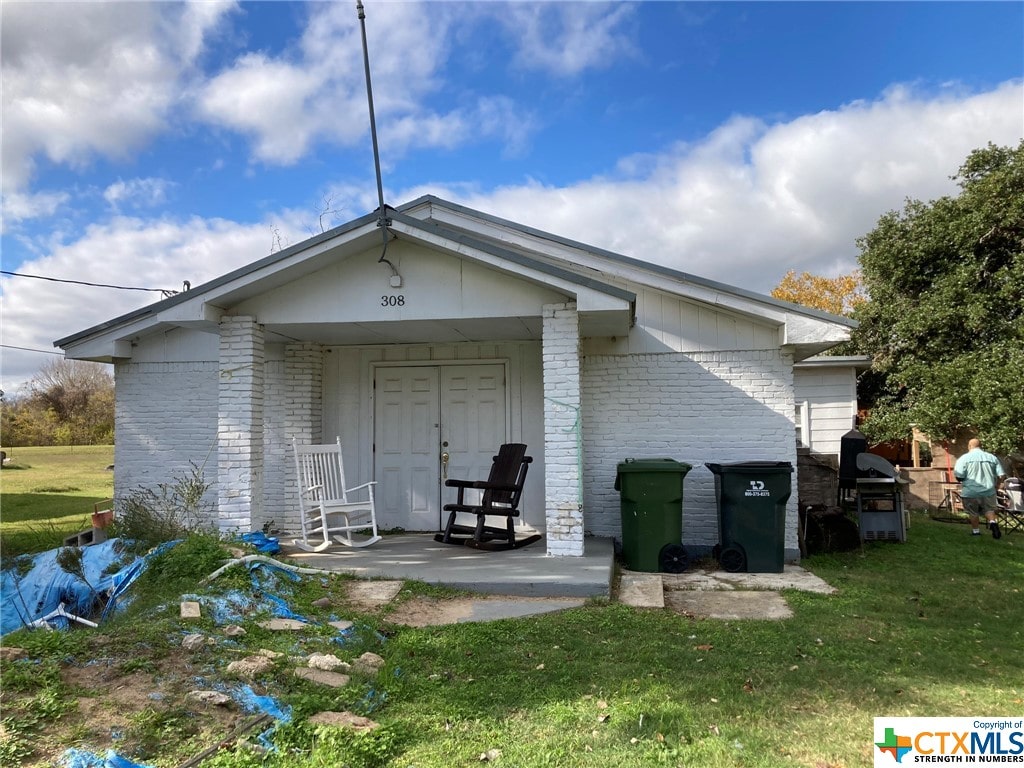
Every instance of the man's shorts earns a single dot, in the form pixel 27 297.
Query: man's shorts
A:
pixel 979 505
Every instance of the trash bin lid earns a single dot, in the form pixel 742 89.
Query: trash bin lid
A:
pixel 647 466
pixel 653 465
pixel 749 466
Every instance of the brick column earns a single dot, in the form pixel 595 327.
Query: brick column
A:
pixel 562 438
pixel 240 425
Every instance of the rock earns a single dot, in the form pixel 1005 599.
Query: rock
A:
pixel 233 630
pixel 216 698
pixel 327 661
pixel 269 654
pixel 344 720
pixel 278 625
pixel 324 677
pixel 190 610
pixel 341 625
pixel 368 664
pixel 370 595
pixel 323 602
pixel 250 667
pixel 193 642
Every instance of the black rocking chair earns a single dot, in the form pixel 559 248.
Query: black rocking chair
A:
pixel 501 493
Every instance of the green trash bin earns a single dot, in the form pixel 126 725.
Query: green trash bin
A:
pixel 651 496
pixel 751 497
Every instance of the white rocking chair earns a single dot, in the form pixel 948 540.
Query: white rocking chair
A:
pixel 324 499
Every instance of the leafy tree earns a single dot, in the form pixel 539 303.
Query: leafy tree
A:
pixel 945 320
pixel 838 295
pixel 68 402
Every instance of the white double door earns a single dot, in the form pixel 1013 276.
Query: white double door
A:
pixel 433 422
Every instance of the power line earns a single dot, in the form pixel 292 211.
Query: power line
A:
pixel 164 291
pixel 29 349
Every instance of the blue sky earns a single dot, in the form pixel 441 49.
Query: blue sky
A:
pixel 145 144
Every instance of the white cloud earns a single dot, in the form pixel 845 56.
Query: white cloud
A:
pixel 107 78
pixel 125 251
pixel 267 100
pixel 567 39
pixel 100 80
pixel 137 193
pixel 753 200
pixel 316 89
pixel 20 207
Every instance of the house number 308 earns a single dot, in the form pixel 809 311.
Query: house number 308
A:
pixel 392 301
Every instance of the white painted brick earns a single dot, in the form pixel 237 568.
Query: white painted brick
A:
pixel 561 378
pixel 240 424
pixel 697 408
pixel 166 418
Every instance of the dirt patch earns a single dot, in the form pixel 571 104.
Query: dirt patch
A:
pixel 111 702
pixel 430 612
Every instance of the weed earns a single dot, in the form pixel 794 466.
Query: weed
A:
pixel 16 741
pixel 151 729
pixel 180 568
pixel 172 511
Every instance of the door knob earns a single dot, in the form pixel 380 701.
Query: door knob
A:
pixel 444 465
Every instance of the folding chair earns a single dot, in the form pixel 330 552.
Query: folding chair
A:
pixel 501 492
pixel 326 505
pixel 1010 505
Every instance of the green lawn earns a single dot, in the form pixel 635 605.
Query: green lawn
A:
pixel 47 493
pixel 930 627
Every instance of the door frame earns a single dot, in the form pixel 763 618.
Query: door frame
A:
pixel 446 362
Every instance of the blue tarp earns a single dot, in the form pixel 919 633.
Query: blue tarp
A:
pixel 79 758
pixel 47 586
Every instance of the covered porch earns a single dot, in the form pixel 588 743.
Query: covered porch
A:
pixel 526 572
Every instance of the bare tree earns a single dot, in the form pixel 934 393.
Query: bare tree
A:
pixel 68 402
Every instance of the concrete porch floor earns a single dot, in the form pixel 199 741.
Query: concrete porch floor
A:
pixel 526 572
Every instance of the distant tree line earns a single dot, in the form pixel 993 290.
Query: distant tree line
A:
pixel 68 402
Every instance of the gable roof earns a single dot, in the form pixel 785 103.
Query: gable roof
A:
pixel 439 206
pixel 598 279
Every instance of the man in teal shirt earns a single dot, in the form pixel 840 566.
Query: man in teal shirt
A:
pixel 980 472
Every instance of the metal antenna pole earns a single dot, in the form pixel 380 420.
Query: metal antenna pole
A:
pixel 382 221
pixel 382 217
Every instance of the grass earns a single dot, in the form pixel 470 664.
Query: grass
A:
pixel 47 493
pixel 931 627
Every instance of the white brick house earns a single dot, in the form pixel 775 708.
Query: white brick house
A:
pixel 466 332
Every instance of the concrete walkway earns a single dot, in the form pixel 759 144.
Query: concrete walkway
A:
pixel 535 583
pixel 718 594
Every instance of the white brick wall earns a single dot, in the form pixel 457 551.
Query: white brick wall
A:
pixel 240 428
pixel 296 392
pixel 561 373
pixel 704 407
pixel 166 417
